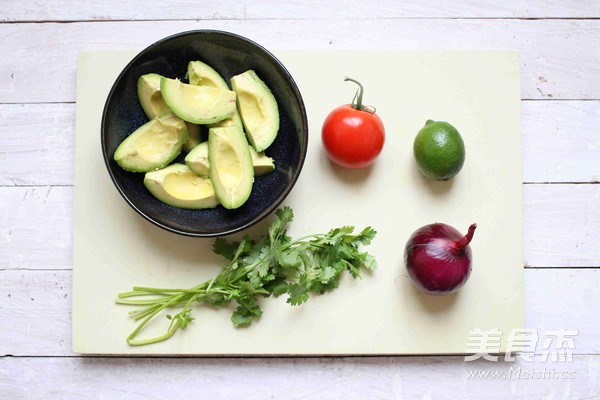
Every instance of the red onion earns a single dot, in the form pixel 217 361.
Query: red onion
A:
pixel 438 258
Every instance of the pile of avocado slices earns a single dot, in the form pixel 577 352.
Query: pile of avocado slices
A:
pixel 242 122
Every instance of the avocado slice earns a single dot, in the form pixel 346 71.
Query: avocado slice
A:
pixel 177 186
pixel 197 160
pixel 262 163
pixel 258 109
pixel 195 137
pixel 202 74
pixel 153 145
pixel 198 104
pixel 148 90
pixel 231 170
pixel 153 104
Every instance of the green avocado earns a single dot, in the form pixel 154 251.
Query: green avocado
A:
pixel 153 104
pixel 178 186
pixel 148 90
pixel 197 160
pixel 153 145
pixel 262 163
pixel 202 74
pixel 195 137
pixel 231 170
pixel 198 104
pixel 258 109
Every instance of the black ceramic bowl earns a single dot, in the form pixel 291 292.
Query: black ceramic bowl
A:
pixel 228 54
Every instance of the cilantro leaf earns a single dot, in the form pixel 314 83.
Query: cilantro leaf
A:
pixel 284 216
pixel 366 236
pixel 369 262
pixel 223 248
pixel 298 294
pixel 327 274
pixel 274 265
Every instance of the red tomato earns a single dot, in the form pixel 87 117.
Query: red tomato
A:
pixel 353 135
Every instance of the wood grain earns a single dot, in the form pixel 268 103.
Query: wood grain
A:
pixel 54 10
pixel 37 144
pixel 558 57
pixel 560 60
pixel 292 379
pixel 36 228
pixel 561 226
pixel 36 305
pixel 561 143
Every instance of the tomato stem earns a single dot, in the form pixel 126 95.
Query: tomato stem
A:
pixel 358 96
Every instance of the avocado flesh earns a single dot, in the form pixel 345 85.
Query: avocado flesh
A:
pixel 258 109
pixel 198 104
pixel 195 137
pixel 153 145
pixel 201 74
pixel 231 170
pixel 148 90
pixel 197 160
pixel 262 163
pixel 177 186
pixel 154 105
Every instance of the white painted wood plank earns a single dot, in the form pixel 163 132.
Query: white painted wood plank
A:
pixel 559 58
pixel 422 9
pixel 568 299
pixel 37 145
pixel 561 142
pixel 322 378
pixel 14 10
pixel 114 10
pixel 295 379
pixel 561 226
pixel 35 310
pixel 36 227
pixel 36 305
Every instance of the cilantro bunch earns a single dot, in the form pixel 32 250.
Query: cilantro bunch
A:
pixel 274 265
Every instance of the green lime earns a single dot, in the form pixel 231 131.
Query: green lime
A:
pixel 439 150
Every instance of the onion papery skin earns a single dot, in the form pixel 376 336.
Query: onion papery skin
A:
pixel 435 259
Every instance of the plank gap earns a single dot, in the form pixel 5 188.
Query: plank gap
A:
pixel 250 18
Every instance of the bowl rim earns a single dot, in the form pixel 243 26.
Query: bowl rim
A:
pixel 268 210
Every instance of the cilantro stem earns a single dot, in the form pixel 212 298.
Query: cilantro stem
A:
pixel 161 290
pixel 131 338
pixel 274 265
pixel 140 302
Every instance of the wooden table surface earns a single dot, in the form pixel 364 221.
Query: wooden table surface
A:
pixel 559 43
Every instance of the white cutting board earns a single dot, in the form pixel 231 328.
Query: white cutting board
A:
pixel 477 91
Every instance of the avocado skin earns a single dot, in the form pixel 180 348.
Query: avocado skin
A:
pixel 227 146
pixel 154 183
pixel 197 160
pixel 258 108
pixel 198 112
pixel 127 157
pixel 202 74
pixel 149 86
